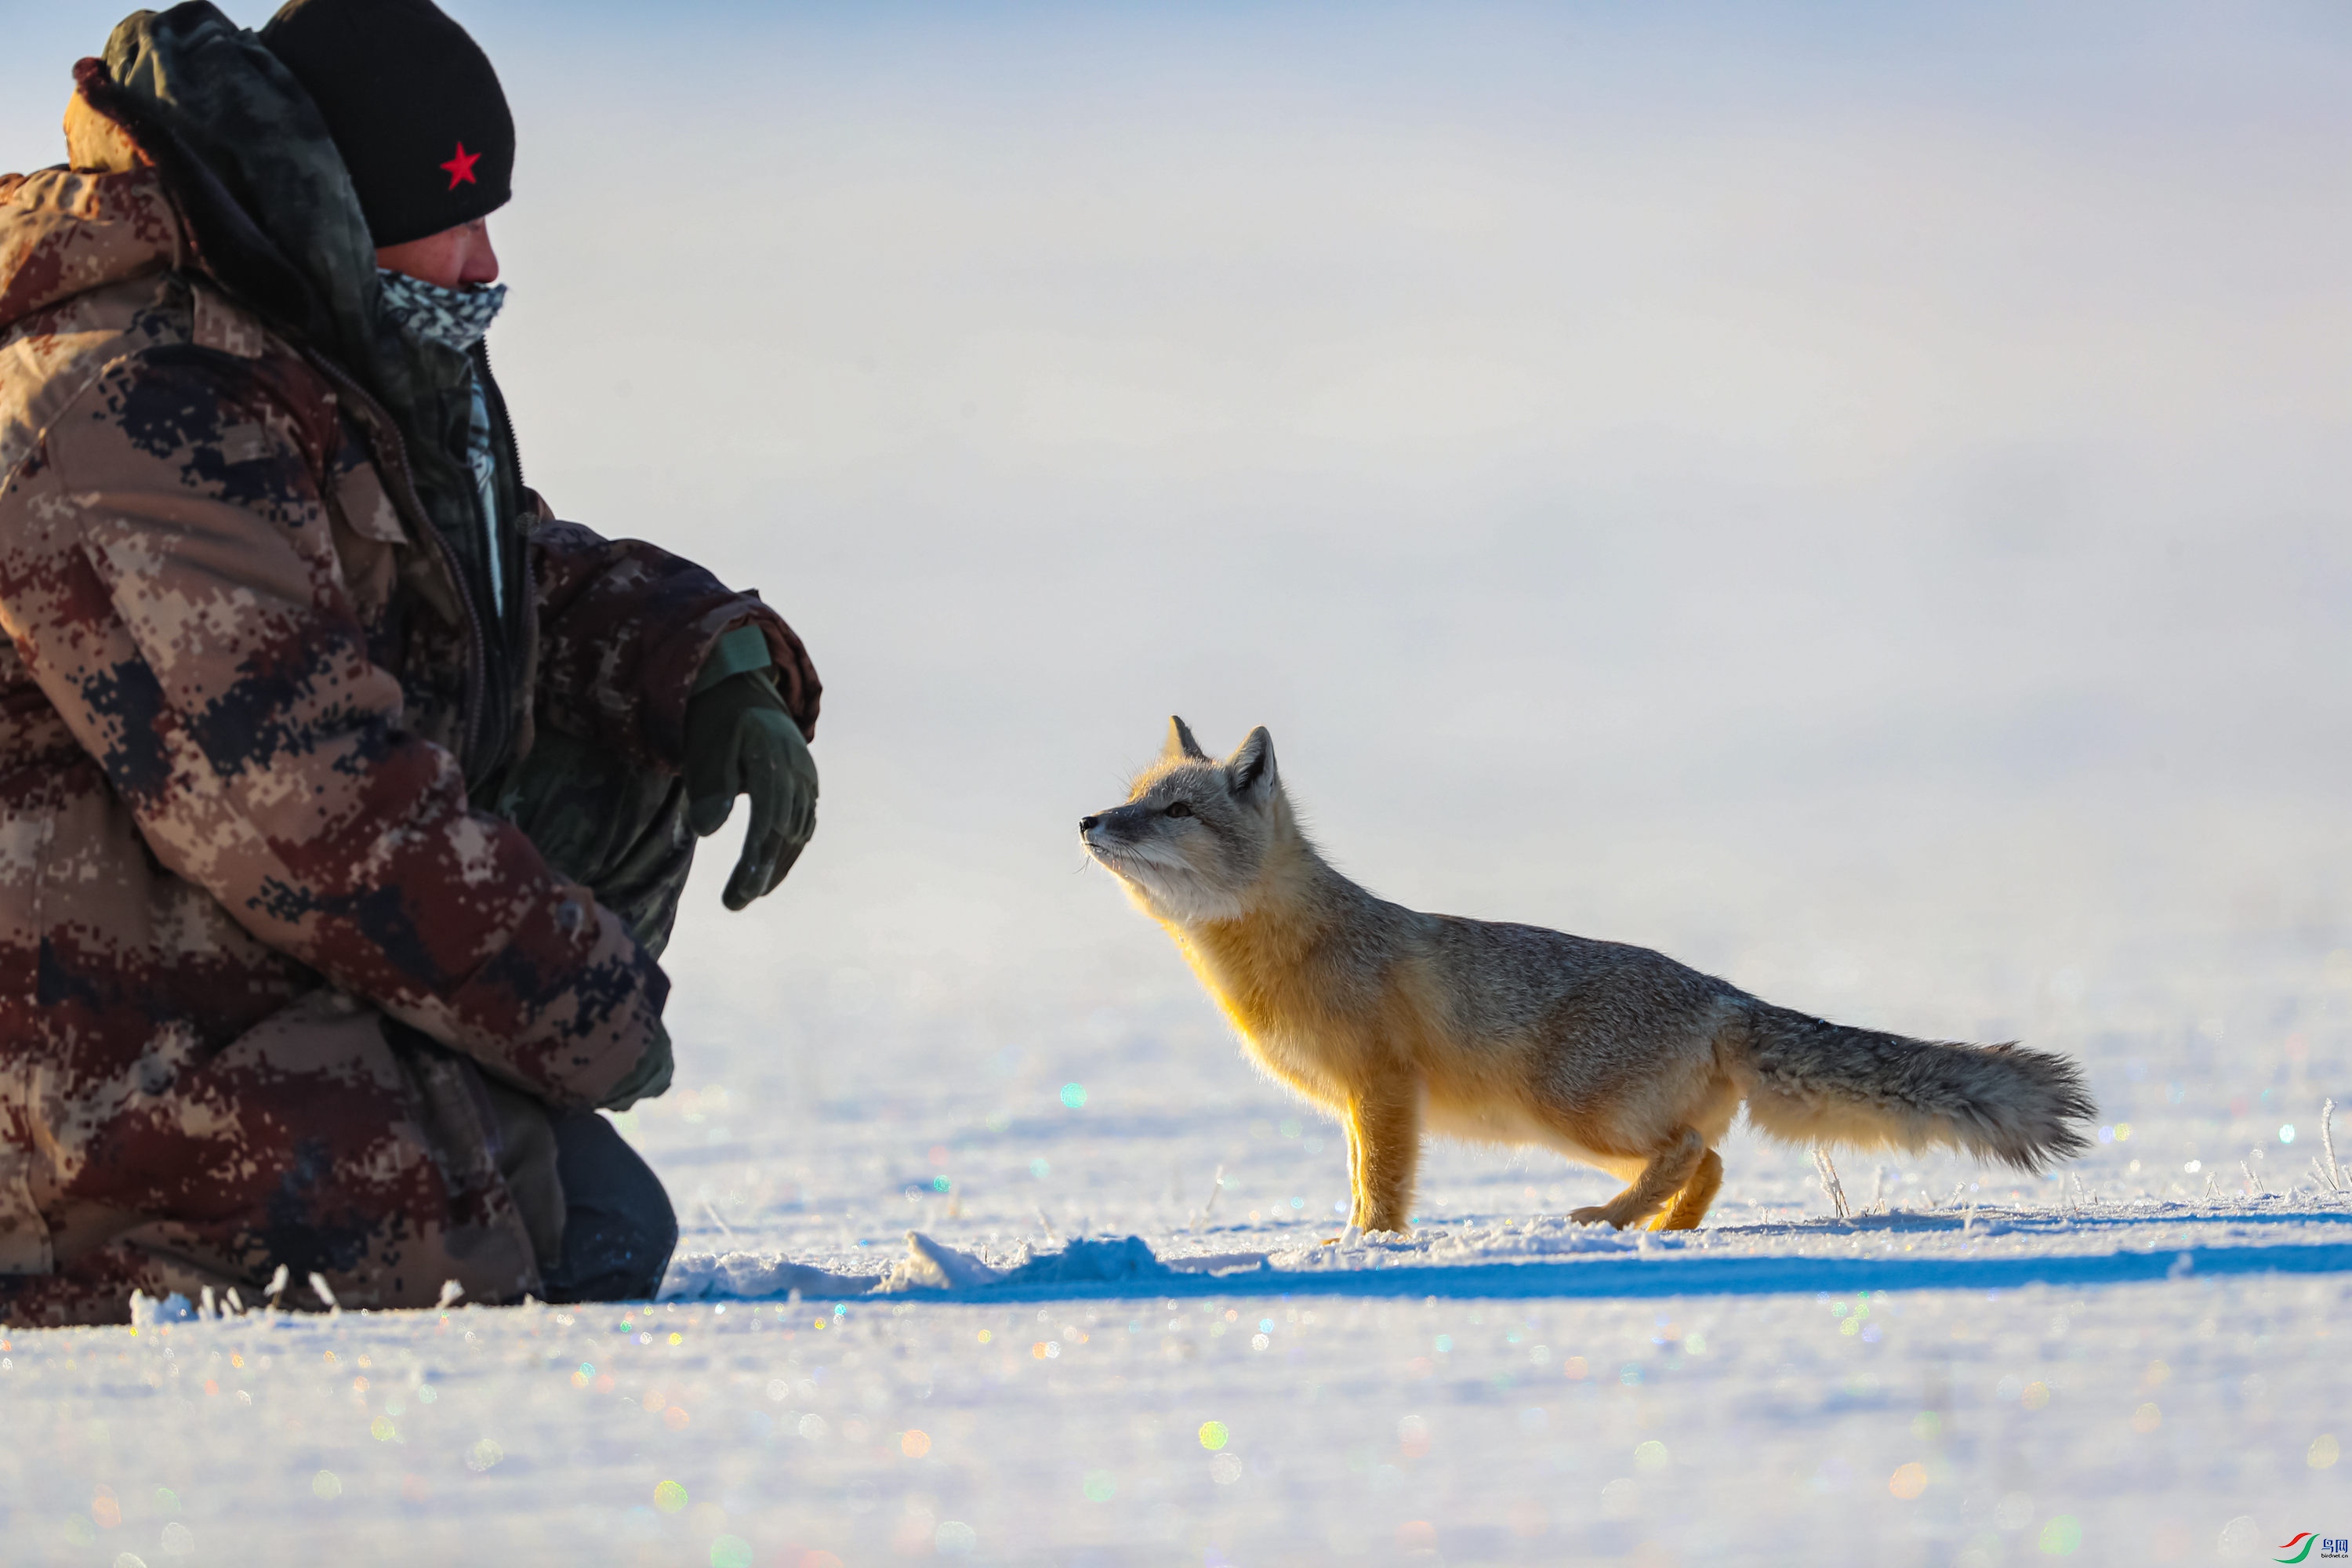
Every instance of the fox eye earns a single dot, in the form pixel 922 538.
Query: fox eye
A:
pixel 1178 808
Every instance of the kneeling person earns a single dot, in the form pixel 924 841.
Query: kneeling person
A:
pixel 346 795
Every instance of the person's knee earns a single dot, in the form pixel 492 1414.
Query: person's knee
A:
pixel 619 1228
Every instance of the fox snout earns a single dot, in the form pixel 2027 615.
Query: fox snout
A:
pixel 1101 830
pixel 1114 822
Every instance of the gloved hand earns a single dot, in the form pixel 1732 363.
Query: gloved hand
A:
pixel 740 740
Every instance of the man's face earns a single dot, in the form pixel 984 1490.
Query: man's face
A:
pixel 454 259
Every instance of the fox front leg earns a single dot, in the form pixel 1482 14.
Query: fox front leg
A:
pixel 1355 1179
pixel 1384 1146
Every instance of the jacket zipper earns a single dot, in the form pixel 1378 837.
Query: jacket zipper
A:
pixel 495 402
pixel 526 585
pixel 506 425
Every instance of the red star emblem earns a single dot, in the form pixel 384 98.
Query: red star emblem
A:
pixel 461 167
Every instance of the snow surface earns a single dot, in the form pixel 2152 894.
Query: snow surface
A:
pixel 1946 1376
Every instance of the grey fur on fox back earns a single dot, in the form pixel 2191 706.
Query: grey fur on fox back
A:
pixel 1620 1058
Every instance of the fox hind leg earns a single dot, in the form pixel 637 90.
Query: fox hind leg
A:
pixel 1690 1205
pixel 1669 1170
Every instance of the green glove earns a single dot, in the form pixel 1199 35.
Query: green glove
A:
pixel 740 740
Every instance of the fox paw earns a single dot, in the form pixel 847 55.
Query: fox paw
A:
pixel 1596 1214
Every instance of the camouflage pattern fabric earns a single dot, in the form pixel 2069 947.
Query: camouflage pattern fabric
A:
pixel 262 953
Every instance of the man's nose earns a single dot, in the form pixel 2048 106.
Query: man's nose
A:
pixel 1089 824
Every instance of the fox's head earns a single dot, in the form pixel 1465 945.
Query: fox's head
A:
pixel 1192 839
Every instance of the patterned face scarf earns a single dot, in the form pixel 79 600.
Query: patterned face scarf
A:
pixel 457 319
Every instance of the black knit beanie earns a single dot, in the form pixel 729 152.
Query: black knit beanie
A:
pixel 413 105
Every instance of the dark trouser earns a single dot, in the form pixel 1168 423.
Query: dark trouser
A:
pixel 618 1226
pixel 606 1228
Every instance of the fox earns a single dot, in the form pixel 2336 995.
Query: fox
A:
pixel 1403 1024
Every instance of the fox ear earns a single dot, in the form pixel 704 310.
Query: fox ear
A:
pixel 1180 742
pixel 1250 770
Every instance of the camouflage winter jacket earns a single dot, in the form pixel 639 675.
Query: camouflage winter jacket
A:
pixel 248 697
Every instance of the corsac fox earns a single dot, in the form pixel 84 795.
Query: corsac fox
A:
pixel 1615 1056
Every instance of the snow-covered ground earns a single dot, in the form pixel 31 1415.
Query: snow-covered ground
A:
pixel 1481 1410
pixel 1969 1370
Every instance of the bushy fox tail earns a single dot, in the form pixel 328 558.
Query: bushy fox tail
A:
pixel 1811 1082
